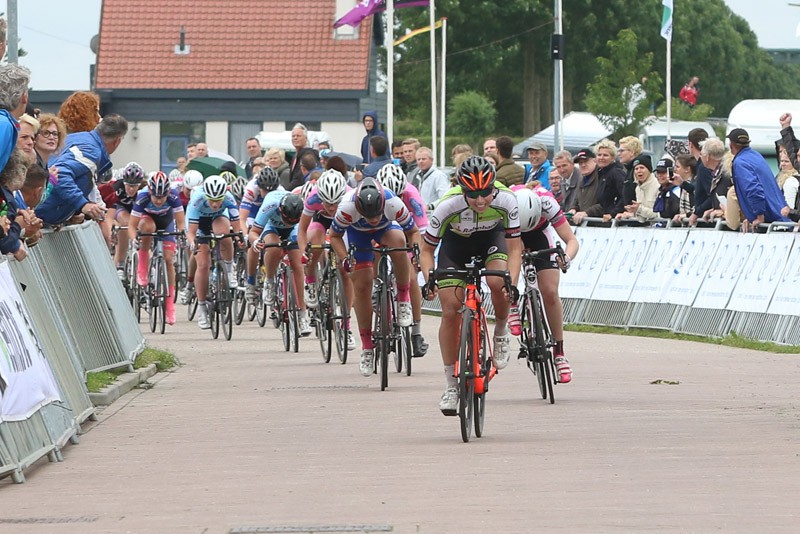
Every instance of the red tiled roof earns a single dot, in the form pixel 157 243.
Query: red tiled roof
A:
pixel 235 44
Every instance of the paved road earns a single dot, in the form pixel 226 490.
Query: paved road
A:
pixel 245 436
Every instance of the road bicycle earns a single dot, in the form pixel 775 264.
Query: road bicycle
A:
pixel 387 335
pixel 332 313
pixel 155 294
pixel 240 271
pixel 181 261
pixel 285 310
pixel 474 368
pixel 220 297
pixel 536 341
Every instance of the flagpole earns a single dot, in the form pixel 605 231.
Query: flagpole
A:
pixel 443 81
pixel 669 89
pixel 432 12
pixel 390 71
pixel 558 85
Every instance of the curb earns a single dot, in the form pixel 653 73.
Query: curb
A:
pixel 125 383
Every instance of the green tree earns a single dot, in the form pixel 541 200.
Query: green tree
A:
pixel 471 115
pixel 625 87
pixel 682 112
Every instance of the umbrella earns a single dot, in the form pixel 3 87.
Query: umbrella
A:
pixel 209 166
pixel 349 159
pixel 221 155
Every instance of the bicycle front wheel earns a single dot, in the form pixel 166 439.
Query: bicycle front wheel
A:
pixel 546 367
pixel 213 303
pixel 339 314
pixel 282 300
pixel 382 318
pixel 225 296
pixel 239 302
pixel 162 291
pixel 322 314
pixel 466 368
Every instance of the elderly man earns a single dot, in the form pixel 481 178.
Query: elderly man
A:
pixel 431 182
pixel 300 144
pixel 201 150
pixel 490 147
pixel 760 198
pixel 84 158
pixel 564 179
pixel 253 148
pixel 539 168
pixel 587 193
pixel 14 81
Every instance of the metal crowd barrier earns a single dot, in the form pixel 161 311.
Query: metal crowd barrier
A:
pixel 83 322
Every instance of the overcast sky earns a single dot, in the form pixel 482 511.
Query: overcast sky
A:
pixel 56 35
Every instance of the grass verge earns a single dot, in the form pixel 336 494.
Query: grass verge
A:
pixel 732 340
pixel 97 381
pixel 163 359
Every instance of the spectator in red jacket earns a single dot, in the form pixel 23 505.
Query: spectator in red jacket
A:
pixel 690 91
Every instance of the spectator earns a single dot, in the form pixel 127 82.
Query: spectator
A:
pixel 508 172
pixel 300 144
pixel 702 182
pixel 564 179
pixel 276 158
pixel 690 92
pixel 629 149
pixel 759 197
pixel 460 149
pixel 611 176
pixel 491 158
pixel 397 152
pixel 719 162
pixel 28 128
pixel 370 122
pixel 788 140
pixel 378 156
pixel 410 147
pixel 586 195
pixel 309 164
pixel 684 176
pixel 539 168
pixel 13 100
pixel 787 179
pixel 433 183
pixel 12 177
pixel 27 197
pixel 85 156
pixel 253 148
pixel 191 151
pixel 490 147
pixel 80 111
pixel 180 164
pixel 50 139
pixel 201 150
pixel 668 200
pixel 646 191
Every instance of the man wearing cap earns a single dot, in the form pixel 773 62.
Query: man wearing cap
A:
pixel 646 191
pixel 540 166
pixel 586 197
pixel 760 198
pixel 508 173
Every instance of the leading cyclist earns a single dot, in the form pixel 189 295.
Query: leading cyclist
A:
pixel 478 217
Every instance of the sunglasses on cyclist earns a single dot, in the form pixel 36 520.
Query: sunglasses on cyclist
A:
pixel 480 193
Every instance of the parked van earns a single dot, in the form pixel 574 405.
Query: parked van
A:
pixel 761 120
pixel 654 135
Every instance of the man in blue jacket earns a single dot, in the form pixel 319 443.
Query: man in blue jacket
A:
pixel 760 198
pixel 370 120
pixel 84 158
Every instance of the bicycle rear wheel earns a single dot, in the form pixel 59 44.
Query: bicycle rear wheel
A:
pixel 381 333
pixel 213 303
pixel 480 398
pixel 466 384
pixel 225 304
pixel 294 314
pixel 339 314
pixel 322 315
pixel 404 344
pixel 396 332
pixel 162 292
pixel 282 305
pixel 540 349
pixel 239 302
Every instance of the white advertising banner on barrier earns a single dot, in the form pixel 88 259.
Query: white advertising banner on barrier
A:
pixel 786 300
pixel 690 267
pixel 724 271
pixel 657 266
pixel 628 252
pixel 761 273
pixel 595 244
pixel 26 380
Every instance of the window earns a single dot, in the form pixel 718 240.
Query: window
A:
pixel 174 138
pixel 238 134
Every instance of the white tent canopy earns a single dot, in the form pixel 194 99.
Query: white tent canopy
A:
pixel 283 140
pixel 578 128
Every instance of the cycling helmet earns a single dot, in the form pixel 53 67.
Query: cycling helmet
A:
pixel 267 179
pixel 530 208
pixel 307 187
pixel 228 176
pixel 215 187
pixel 175 177
pixel 105 177
pixel 290 208
pixel 475 174
pixel 133 174
pixel 158 184
pixel 392 178
pixel 192 179
pixel 237 187
pixel 331 186
pixel 369 198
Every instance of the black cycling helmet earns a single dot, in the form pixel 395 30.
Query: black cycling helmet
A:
pixel 268 179
pixel 475 174
pixel 369 198
pixel 291 208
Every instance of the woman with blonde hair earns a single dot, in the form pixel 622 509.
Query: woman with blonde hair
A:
pixel 787 179
pixel 28 128
pixel 50 139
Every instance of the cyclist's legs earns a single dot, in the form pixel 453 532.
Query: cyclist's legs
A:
pixel 315 236
pixel 362 278
pixel 296 264
pixel 222 225
pixel 400 262
pixel 273 255
pixel 450 298
pixel 122 237
pixel 499 298
pixel 203 261
pixel 252 255
pixel 553 308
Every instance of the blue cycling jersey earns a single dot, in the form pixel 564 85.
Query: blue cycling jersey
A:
pixel 268 214
pixel 198 207
pixel 143 205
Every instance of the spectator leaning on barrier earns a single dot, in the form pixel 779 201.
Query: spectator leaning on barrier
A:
pixel 702 182
pixel 683 176
pixel 586 195
pixel 13 100
pixel 646 191
pixel 760 199
pixel 787 179
pixel 12 177
pixel 27 197
pixel 508 173
pixel 539 167
pixel 716 159
pixel 611 176
pixel 629 149
pixel 564 179
pixel 85 156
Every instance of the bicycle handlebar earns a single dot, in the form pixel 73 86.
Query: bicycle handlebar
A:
pixel 531 255
pixel 159 233
pixel 284 243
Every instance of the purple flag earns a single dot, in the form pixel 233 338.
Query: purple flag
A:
pixel 365 8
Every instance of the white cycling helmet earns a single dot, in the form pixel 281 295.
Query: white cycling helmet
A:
pixel 192 179
pixel 530 209
pixel 307 188
pixel 331 186
pixel 215 187
pixel 393 178
pixel 176 177
pixel 237 187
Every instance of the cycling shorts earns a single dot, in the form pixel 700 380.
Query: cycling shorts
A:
pixel 165 223
pixel 283 234
pixel 205 225
pixel 455 251
pixel 363 240
pixel 540 239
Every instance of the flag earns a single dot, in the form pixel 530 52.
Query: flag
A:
pixel 418 31
pixel 365 8
pixel 666 20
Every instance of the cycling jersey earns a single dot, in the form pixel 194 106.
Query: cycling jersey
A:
pixel 413 201
pixel 551 210
pixel 347 216
pixel 453 214
pixel 198 208
pixel 124 201
pixel 269 214
pixel 144 206
pixel 252 198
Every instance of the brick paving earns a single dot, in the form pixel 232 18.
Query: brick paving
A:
pixel 247 438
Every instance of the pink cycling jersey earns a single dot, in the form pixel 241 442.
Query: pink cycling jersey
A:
pixel 413 201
